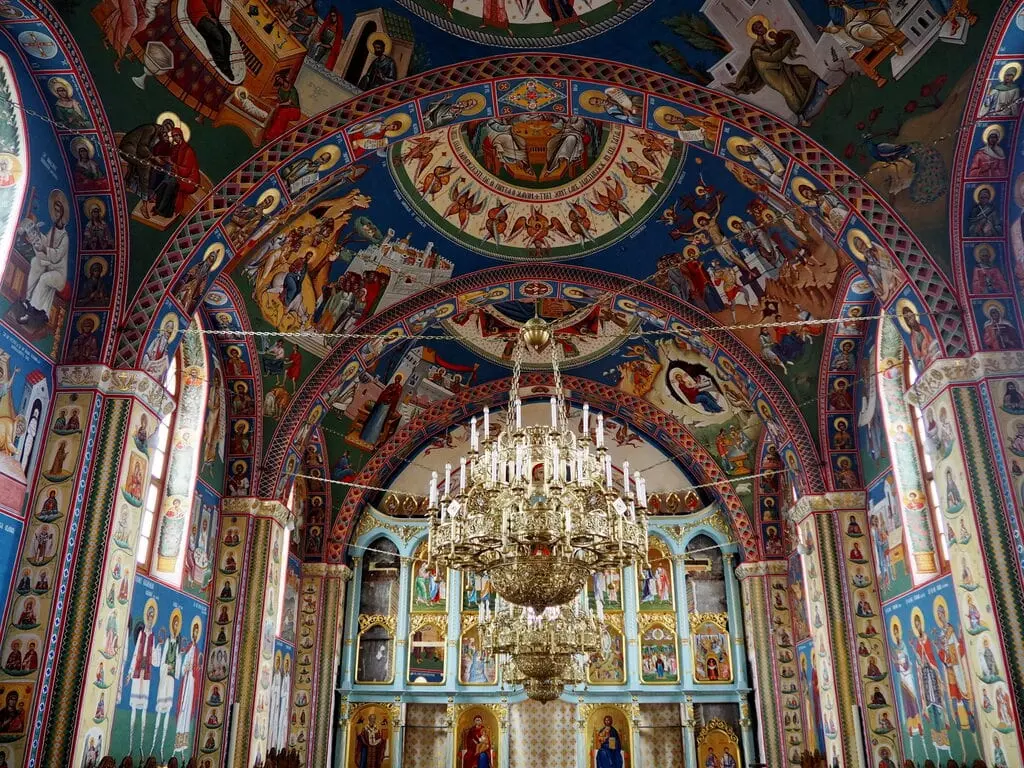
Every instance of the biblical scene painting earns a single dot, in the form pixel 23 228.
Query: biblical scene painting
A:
pixel 712 657
pixel 477 738
pixel 659 659
pixel 718 746
pixel 938 715
pixel 887 537
pixel 429 587
pixel 427 650
pixel 154 699
pixel 608 667
pixel 609 738
pixel 806 721
pixel 370 733
pixel 476 666
pixel 654 580
pixel 605 587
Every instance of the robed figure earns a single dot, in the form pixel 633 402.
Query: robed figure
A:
pixel 608 745
pixel 371 745
pixel 477 751
pixel 386 404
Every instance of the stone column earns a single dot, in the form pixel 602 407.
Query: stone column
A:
pixel 318 658
pixel 98 474
pixel 977 470
pixel 253 598
pixel 756 581
pixel 815 517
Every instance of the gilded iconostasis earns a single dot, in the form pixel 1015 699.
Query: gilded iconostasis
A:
pixel 263 263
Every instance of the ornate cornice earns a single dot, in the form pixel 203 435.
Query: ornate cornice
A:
pixel 265 508
pixel 327 570
pixel 372 520
pixel 111 381
pixel 963 370
pixel 712 518
pixel 762 568
pixel 826 502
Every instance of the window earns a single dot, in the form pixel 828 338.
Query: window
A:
pixel 158 458
pixel 910 374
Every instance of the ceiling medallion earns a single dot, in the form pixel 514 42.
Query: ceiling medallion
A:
pixel 536 506
pixel 536 186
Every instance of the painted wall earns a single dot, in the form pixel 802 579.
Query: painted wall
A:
pixel 155 696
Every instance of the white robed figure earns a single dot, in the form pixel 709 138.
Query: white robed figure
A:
pixel 283 708
pixel 140 671
pixel 190 672
pixel 275 700
pixel 166 661
pixel 48 272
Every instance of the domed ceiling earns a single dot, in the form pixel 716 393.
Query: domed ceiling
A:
pixel 699 198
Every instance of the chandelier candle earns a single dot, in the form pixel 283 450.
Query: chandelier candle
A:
pixel 537 507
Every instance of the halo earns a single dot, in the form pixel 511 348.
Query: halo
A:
pixel 274 194
pixel 334 154
pixel 196 624
pixel 277 658
pixel 238 465
pixel 895 625
pixel 750 24
pixel 385 38
pixel 691 251
pixel 241 386
pixel 220 249
pixel 473 103
pixel 104 265
pixel 151 603
pixel 900 306
pixel 843 462
pixel 79 142
pixel 241 94
pixel 1014 67
pixel 983 248
pixel 701 217
pixel 93 202
pixel 241 426
pixel 663 115
pixel 587 96
pixel 54 82
pixel 57 195
pixel 170 619
pixel 846 344
pixel 229 349
pixel 989 187
pixel 734 223
pixel 914 613
pixel 940 602
pixel 88 316
pixel 796 183
pixel 851 237
pixel 397 117
pixel 995 128
pixel 764 409
pixel 733 144
pixel 837 382
pixel 171 322
pixel 186 132
pixel 993 303
pixel 841 421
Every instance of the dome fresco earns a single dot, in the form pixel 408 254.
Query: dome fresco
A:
pixel 357 205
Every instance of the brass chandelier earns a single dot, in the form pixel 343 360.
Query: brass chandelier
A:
pixel 544 651
pixel 536 507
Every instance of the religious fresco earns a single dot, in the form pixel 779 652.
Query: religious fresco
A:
pixel 279 696
pixel 371 730
pixel 10 538
pixel 306 646
pixel 968 596
pixel 609 736
pixel 155 700
pixel 478 736
pixel 200 548
pixel 938 714
pixel 805 727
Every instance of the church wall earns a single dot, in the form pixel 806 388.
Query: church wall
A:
pixel 165 720
pixel 426 737
pixel 542 734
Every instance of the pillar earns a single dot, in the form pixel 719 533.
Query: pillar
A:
pixel 756 580
pixel 92 470
pixel 252 599
pixel 815 517
pixel 686 717
pixel 746 732
pixel 318 659
pixel 977 473
pixel 732 593
pixel 682 618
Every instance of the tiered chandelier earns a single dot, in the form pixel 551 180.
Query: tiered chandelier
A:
pixel 544 651
pixel 536 507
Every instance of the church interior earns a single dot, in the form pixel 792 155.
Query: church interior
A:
pixel 504 383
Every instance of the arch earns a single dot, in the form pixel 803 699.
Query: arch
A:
pixel 929 288
pixel 971 228
pixel 658 426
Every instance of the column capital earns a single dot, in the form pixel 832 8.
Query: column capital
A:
pixel 826 502
pixel 762 568
pixel 113 381
pixel 963 370
pixel 254 507
pixel 327 570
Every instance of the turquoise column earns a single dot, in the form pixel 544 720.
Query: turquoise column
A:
pixel 451 650
pixel 581 734
pixel 505 756
pixel 630 620
pixel 682 620
pixel 747 732
pixel 689 736
pixel 348 656
pixel 399 740
pixel 638 749
pixel 735 610
pixel 402 629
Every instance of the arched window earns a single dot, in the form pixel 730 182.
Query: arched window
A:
pixel 924 460
pixel 159 448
